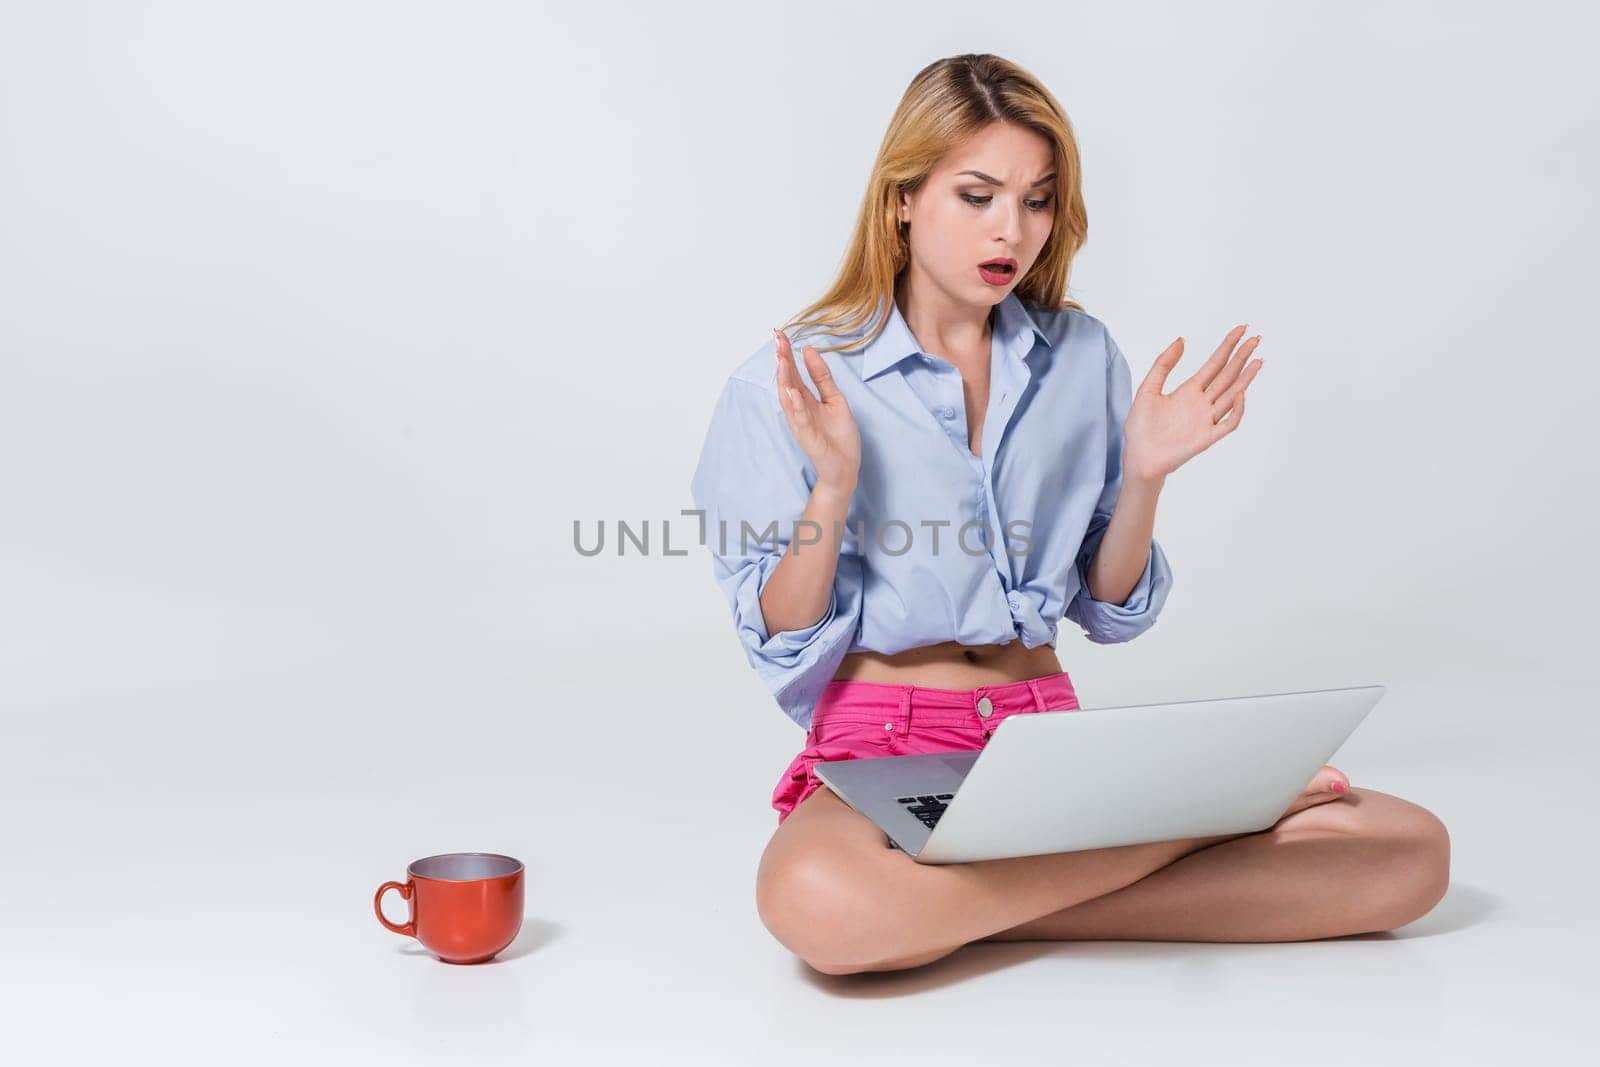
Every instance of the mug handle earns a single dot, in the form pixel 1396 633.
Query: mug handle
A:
pixel 410 928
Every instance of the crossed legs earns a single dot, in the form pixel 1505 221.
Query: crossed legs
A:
pixel 830 892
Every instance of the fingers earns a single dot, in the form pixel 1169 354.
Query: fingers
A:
pixel 1156 380
pixel 826 387
pixel 799 413
pixel 793 403
pixel 1230 374
pixel 1212 367
pixel 788 376
pixel 1218 373
pixel 791 390
pixel 821 376
pixel 1228 408
pixel 798 405
pixel 783 355
pixel 1224 400
pixel 1226 425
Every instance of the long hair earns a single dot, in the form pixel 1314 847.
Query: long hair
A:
pixel 948 102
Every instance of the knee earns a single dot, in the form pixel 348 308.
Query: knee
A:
pixel 818 910
pixel 1421 869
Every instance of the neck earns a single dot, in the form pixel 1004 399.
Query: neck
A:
pixel 941 325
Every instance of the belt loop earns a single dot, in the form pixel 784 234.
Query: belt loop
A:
pixel 1038 698
pixel 905 711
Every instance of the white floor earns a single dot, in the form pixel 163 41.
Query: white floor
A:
pixel 187 878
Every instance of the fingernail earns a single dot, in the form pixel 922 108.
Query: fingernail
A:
pixel 1338 787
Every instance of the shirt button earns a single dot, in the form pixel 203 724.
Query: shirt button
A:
pixel 985 706
pixel 947 413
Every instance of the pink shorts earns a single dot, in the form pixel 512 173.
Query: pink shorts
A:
pixel 864 720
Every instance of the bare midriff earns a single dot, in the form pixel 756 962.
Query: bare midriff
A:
pixel 951 666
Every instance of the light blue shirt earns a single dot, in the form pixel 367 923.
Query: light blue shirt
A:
pixel 943 545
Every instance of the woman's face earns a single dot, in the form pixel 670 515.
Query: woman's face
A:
pixel 960 219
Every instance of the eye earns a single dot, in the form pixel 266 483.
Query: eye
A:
pixel 1033 205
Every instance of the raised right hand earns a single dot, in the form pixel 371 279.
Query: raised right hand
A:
pixel 824 429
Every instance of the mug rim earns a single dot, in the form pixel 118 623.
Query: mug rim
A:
pixel 412 873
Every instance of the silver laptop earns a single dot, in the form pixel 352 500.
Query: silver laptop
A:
pixel 1062 781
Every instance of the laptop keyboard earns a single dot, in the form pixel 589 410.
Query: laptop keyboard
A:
pixel 927 807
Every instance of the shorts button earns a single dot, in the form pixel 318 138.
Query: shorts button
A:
pixel 888 726
pixel 985 706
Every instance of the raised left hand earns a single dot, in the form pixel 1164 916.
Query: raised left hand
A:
pixel 1163 432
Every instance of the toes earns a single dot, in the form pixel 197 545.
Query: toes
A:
pixel 1332 780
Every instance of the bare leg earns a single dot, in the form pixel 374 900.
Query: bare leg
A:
pixel 1367 862
pixel 829 890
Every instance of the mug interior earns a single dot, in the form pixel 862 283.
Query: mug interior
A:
pixel 465 866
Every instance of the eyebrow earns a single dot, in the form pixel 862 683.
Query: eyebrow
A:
pixel 1001 184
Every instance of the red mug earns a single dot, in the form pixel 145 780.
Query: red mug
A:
pixel 465 906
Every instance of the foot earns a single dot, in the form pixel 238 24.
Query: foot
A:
pixel 1328 784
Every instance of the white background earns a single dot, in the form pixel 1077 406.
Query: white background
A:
pixel 322 323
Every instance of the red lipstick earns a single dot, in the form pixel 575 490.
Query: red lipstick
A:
pixel 998 271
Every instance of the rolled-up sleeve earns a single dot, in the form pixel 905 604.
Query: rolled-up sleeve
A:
pixel 752 484
pixel 1103 622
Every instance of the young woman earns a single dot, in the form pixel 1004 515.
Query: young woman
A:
pixel 974 466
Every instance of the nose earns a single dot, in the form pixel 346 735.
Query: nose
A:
pixel 1010 225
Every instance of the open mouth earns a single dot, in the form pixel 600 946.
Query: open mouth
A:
pixel 998 271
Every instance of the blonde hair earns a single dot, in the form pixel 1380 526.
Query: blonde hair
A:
pixel 948 102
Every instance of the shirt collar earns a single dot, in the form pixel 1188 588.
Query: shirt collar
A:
pixel 1012 323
